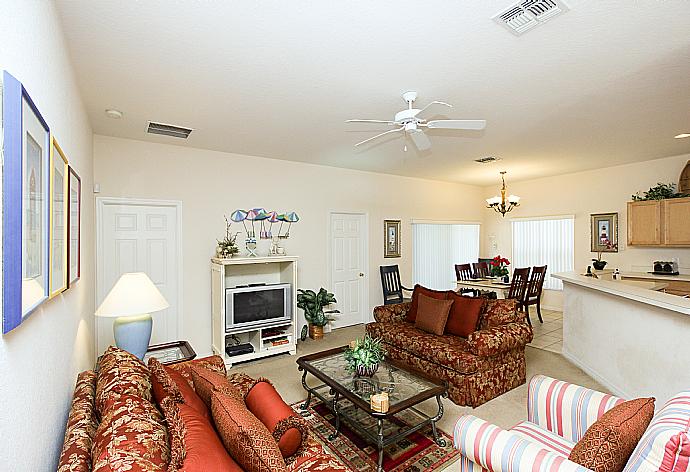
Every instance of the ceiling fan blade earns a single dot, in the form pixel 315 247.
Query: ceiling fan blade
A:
pixel 379 135
pixel 457 124
pixel 370 121
pixel 435 102
pixel 420 139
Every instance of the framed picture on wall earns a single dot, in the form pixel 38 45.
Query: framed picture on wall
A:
pixel 74 226
pixel 26 200
pixel 58 219
pixel 604 232
pixel 391 246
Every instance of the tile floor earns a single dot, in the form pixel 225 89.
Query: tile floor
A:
pixel 548 335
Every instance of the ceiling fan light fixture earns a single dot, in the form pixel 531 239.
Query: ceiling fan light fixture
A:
pixel 502 204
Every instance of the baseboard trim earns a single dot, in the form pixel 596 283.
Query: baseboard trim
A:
pixel 614 389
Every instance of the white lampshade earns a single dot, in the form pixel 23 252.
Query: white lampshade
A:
pixel 133 294
pixel 514 199
pixel 493 201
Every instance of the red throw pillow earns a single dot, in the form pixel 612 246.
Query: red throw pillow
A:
pixel 195 446
pixel 289 430
pixel 412 312
pixel 245 437
pixel 206 382
pixel 464 315
pixel 432 314
pixel 607 444
pixel 168 382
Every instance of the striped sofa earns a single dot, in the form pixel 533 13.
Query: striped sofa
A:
pixel 558 414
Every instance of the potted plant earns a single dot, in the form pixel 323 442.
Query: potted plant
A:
pixel 364 355
pixel 227 247
pixel 660 192
pixel 313 304
pixel 598 263
pixel 499 267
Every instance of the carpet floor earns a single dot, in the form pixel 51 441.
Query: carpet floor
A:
pixel 504 411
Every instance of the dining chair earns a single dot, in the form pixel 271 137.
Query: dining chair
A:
pixel 392 288
pixel 480 269
pixel 518 286
pixel 464 272
pixel 533 291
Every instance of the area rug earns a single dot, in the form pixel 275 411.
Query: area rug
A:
pixel 416 452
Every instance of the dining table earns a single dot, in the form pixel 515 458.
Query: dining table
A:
pixel 486 283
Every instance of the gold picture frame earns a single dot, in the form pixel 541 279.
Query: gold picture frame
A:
pixel 59 191
pixel 604 226
pixel 391 238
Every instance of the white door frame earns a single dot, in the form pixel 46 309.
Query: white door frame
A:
pixel 329 253
pixel 101 202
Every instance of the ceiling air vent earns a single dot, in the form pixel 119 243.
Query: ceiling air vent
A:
pixel 169 130
pixel 487 159
pixel 526 14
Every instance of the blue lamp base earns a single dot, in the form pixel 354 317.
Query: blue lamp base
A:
pixel 133 333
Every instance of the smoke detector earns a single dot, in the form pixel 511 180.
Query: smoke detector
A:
pixel 487 159
pixel 169 130
pixel 524 15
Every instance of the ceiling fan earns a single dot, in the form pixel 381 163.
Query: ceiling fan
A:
pixel 408 122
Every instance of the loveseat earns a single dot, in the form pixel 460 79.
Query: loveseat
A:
pixel 127 416
pixel 487 363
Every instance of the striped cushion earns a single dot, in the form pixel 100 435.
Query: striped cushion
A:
pixel 665 446
pixel 487 446
pixel 543 437
pixel 564 408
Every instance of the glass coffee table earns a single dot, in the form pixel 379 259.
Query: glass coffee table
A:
pixel 348 396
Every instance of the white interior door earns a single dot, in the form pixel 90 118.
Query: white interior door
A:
pixel 138 236
pixel 348 264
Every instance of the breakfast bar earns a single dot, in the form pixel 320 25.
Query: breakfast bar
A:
pixel 627 334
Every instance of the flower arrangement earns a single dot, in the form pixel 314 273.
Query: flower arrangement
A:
pixel 598 263
pixel 499 266
pixel 227 247
pixel 364 355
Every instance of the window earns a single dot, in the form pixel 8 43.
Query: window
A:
pixel 437 247
pixel 545 241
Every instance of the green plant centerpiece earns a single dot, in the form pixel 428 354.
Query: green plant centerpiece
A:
pixel 227 247
pixel 364 355
pixel 660 192
pixel 313 304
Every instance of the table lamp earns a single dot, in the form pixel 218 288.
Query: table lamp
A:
pixel 131 302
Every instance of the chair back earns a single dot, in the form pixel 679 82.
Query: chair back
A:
pixel 463 271
pixel 480 269
pixel 518 286
pixel 536 282
pixel 390 282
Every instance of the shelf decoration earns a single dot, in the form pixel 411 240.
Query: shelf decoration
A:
pixel 58 219
pixel 266 221
pixel 227 247
pixel 26 211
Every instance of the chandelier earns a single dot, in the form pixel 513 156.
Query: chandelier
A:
pixel 499 203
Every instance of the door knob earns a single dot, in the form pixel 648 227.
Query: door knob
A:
pixel 361 274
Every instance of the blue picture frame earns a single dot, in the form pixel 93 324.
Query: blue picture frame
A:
pixel 15 308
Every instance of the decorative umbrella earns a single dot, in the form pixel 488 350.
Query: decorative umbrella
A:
pixel 240 215
pixel 251 216
pixel 272 218
pixel 291 217
pixel 281 218
pixel 261 216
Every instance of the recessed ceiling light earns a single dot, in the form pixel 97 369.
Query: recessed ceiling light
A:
pixel 112 113
pixel 682 135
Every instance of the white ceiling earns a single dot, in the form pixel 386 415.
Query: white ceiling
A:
pixel 606 83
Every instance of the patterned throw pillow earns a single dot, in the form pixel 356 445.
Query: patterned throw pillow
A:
pixel 498 313
pixel 245 437
pixel 432 314
pixel 120 373
pixel 131 437
pixel 609 442
pixel 212 363
pixel 206 382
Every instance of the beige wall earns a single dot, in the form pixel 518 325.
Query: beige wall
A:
pixel 580 194
pixel 40 359
pixel 212 184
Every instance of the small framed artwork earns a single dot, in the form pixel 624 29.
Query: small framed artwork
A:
pixel 58 219
pixel 26 210
pixel 391 230
pixel 604 232
pixel 74 226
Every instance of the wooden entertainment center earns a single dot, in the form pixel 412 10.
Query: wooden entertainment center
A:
pixel 239 271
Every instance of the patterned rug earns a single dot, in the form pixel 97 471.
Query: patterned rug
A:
pixel 416 452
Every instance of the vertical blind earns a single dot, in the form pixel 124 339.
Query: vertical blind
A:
pixel 437 248
pixel 545 241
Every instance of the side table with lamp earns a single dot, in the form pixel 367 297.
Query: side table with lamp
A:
pixel 131 301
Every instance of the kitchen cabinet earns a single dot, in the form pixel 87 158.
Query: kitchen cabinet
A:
pixel 664 223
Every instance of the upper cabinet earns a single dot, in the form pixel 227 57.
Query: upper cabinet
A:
pixel 659 222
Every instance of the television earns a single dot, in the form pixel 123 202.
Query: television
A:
pixel 257 306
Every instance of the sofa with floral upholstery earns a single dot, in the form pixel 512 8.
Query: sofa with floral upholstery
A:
pixel 183 417
pixel 486 363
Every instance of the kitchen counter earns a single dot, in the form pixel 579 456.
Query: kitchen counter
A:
pixel 647 275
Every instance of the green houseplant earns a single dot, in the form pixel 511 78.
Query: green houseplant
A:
pixel 364 355
pixel 313 305
pixel 660 192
